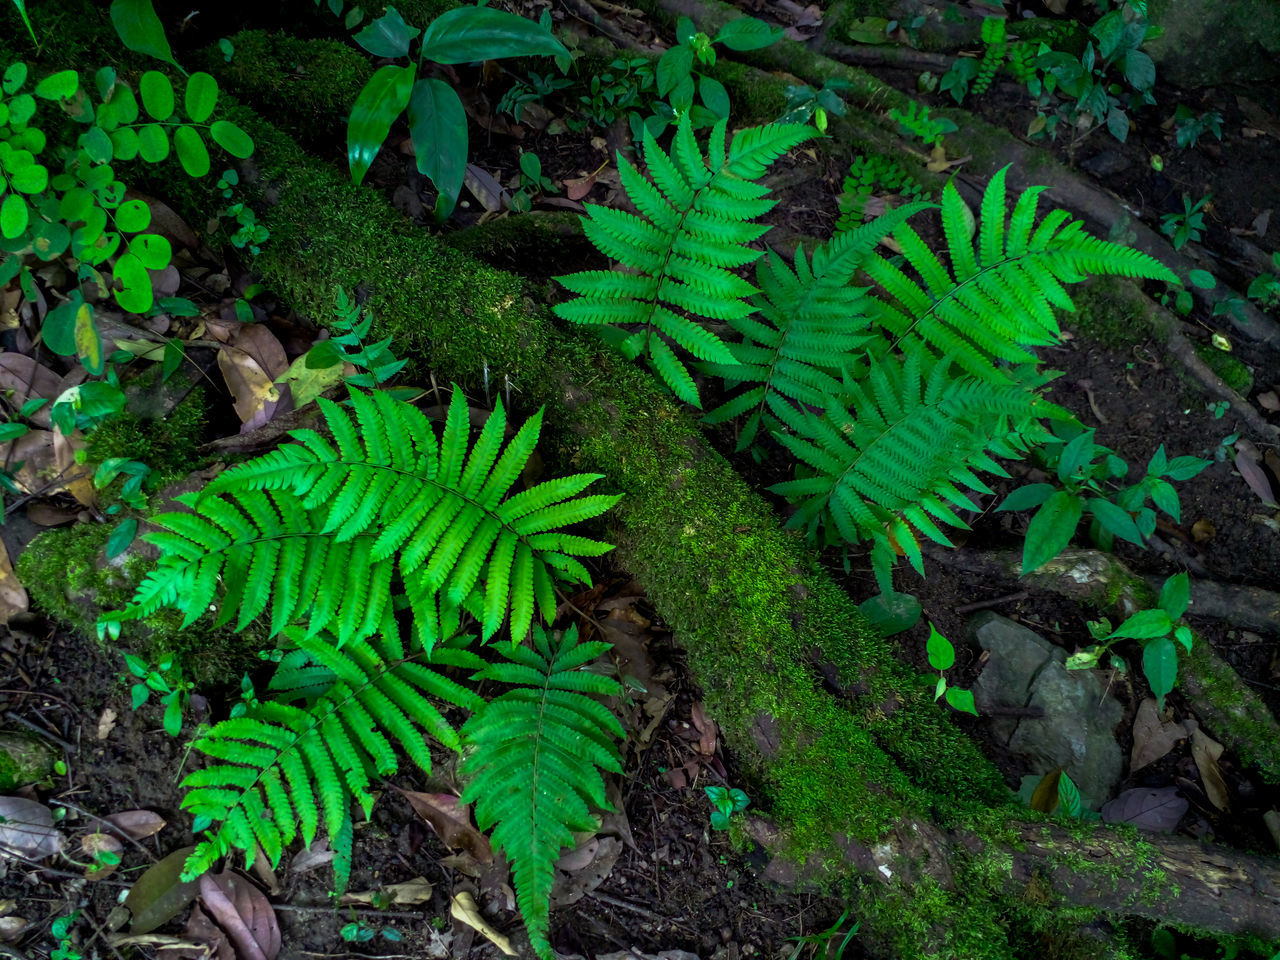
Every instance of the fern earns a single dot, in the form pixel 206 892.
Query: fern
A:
pixel 998 300
pixel 809 323
pixel 331 530
pixel 995 44
pixel 867 174
pixel 290 765
pixel 692 230
pixel 531 758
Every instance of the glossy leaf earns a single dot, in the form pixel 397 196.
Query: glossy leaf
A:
pixel 1115 520
pixel 747 33
pixel 1175 595
pixel 58 86
pixel 201 97
pixel 891 613
pixel 1051 529
pixel 714 95
pixel 388 36
pixel 673 67
pixel 1069 796
pixel 962 700
pixel 121 537
pixel 140 29
pixel 133 216
pixel 942 655
pixel 438 129
pixel 89 347
pixel 1160 666
pixel 14 216
pixel 153 143
pixel 157 95
pixel 231 139
pixel 1145 624
pixel 1027 496
pixel 136 295
pixel 383 99
pixel 152 250
pixel 482 33
pixel 192 153
pixel 97 145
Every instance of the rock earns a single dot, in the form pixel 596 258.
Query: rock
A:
pixel 1076 729
pixel 1208 42
pixel 1106 164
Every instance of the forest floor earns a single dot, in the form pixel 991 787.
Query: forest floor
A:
pixel 659 879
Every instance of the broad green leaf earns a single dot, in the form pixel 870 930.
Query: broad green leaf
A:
pixel 1139 70
pixel 231 139
pixel 942 655
pixel 438 129
pixel 1026 497
pixel 1182 633
pixel 192 153
pixel 58 86
pixel 482 33
pixel 89 347
pixel 9 430
pixel 14 216
pixel 714 95
pixel 29 179
pixel 891 613
pixel 1118 124
pixel 1184 468
pixel 153 250
pixel 1203 279
pixel 136 295
pixel 962 700
pixel 21 109
pixel 1114 520
pixel 201 97
pixel 388 36
pixel 1075 455
pixel 59 329
pixel 140 29
pixel 1069 796
pixel 747 33
pixel 1160 666
pixel 1145 624
pixel 1051 529
pixel 1175 595
pixel 1108 31
pixel 50 239
pixel 104 81
pixel 97 145
pixel 383 99
pixel 157 95
pixel 121 537
pixel 133 216
pixel 673 67
pixel 15 75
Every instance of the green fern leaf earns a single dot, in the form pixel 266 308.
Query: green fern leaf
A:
pixel 532 758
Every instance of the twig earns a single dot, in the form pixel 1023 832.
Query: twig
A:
pixel 10 715
pixel 993 602
pixel 364 911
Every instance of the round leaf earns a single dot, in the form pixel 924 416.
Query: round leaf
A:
pixel 1203 279
pixel 201 96
pixel 153 143
pixel 157 95
pixel 192 153
pixel 14 216
pixel 58 86
pixel 136 295
pixel 133 216
pixel 154 251
pixel 748 33
pixel 29 179
pixel 890 613
pixel 383 99
pixel 438 130
pixel 50 240
pixel 59 329
pixel 231 139
pixel 21 109
pixel 482 33
pixel 124 142
pixel 14 77
pixel 97 144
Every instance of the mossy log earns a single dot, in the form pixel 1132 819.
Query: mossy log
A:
pixel 25 758
pixel 842 744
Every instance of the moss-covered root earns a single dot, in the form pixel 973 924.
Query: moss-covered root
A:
pixel 25 758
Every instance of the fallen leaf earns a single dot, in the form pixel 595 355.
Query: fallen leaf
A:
pixel 1261 222
pixel 464 909
pixel 97 845
pixel 1149 809
pixel 1249 464
pixel 583 869
pixel 1045 797
pixel 463 863
pixel 316 855
pixel 1152 736
pixel 135 824
pixel 240 908
pixel 451 821
pixel 262 870
pixel 11 928
pixel 485 188
pixel 160 894
pixel 29 380
pixel 44 514
pixel 74 476
pixel 106 723
pixel 261 344
pixel 1206 751
pixel 1202 531
pixel 201 940
pixel 579 187
pixel 252 387
pixel 306 383
pixel 706 727
pixel 13 596
pixel 407 894
pixel 1272 819
pixel 26 829
pixel 1269 401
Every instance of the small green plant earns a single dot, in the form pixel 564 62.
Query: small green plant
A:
pixel 437 120
pixel 1191 126
pixel 1187 225
pixel 532 183
pixel 165 681
pixel 1086 473
pixel 61 931
pixel 680 81
pixel 725 802
pixel 357 932
pixel 915 121
pixel 350 326
pixel 869 175
pixel 1265 288
pixel 805 103
pixel 249 233
pixel 538 88
pixel 1156 629
pixel 823 942
pixel 942 657
pixel 626 89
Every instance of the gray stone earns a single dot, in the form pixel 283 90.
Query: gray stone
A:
pixel 1076 729
pixel 1208 41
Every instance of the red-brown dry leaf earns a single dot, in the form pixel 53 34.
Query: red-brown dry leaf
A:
pixel 1250 467
pixel 451 821
pixel 1147 809
pixel 13 595
pixel 203 931
pixel 28 379
pixel 244 913
pixel 1153 737
pixel 706 728
pixel 1206 751
pixel 137 824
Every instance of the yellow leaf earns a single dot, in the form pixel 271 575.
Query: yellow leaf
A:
pixel 88 343
pixel 13 597
pixel 465 910
pixel 308 383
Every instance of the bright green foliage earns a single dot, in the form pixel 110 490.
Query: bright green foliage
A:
pixel 868 175
pixel 292 764
pixel 693 229
pixel 330 530
pixel 915 120
pixel 942 657
pixel 531 757
pixel 993 38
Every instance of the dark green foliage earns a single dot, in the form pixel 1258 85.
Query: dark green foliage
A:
pixel 329 531
pixel 531 757
pixel 693 229
pixel 292 764
pixel 993 54
pixel 871 174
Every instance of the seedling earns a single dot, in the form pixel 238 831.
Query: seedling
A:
pixel 727 802
pixel 825 939
pixel 942 656
pixel 1185 226
pixel 1191 126
pixel 173 691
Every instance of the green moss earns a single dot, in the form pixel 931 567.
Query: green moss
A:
pixel 70 579
pixel 167 446
pixel 1106 314
pixel 534 244
pixel 1233 371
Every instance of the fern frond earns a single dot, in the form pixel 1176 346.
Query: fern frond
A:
pixel 323 530
pixel 693 229
pixel 284 769
pixel 532 758
pixel 997 299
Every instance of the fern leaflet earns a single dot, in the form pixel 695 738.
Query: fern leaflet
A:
pixel 692 230
pixel 531 757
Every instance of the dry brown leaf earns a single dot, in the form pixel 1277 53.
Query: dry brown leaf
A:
pixel 582 870
pixel 464 909
pixel 97 845
pixel 261 344
pixel 707 729
pixel 1203 531
pixel 451 821
pixel 263 871
pixel 75 478
pixel 106 723
pixel 135 824
pixel 485 188
pixel 26 829
pixel 44 514
pixel 29 379
pixel 240 908
pixel 407 894
pixel 579 187
pixel 1248 463
pixel 160 894
pixel 13 596
pixel 1045 797
pixel 255 392
pixel 11 928
pixel 1152 736
pixel 316 855
pixel 201 940
pixel 1206 751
